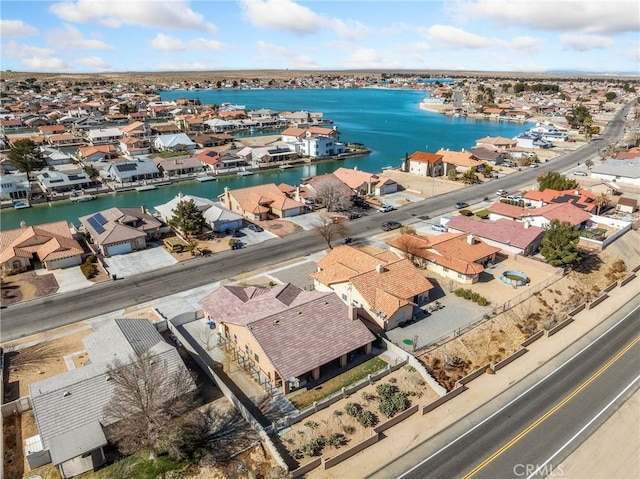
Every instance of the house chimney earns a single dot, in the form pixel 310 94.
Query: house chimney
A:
pixel 526 224
pixel 380 268
pixel 143 208
pixel 353 313
pixel 23 224
pixel 470 239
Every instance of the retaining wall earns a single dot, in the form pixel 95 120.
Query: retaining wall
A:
pixel 532 339
pixel 475 374
pixel 335 460
pixel 396 419
pixel 575 311
pixel 611 287
pixel 301 471
pixel 627 279
pixel 598 300
pixel 559 326
pixel 413 361
pixel 509 359
pixel 16 407
pixel 438 402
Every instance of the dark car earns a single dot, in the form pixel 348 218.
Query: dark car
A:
pixel 461 204
pixel 354 215
pixel 236 233
pixel 390 225
pixel 255 228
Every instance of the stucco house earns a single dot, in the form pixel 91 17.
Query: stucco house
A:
pixel 130 171
pixel 497 143
pixel 175 142
pixel 461 160
pixel 541 217
pixel 384 287
pixel 455 256
pixel 619 171
pixel 121 230
pixel 364 183
pixel 49 245
pixel 178 165
pixel 64 181
pixel 14 186
pixel 422 163
pixel 69 408
pixel 261 202
pixel 580 198
pixel 217 217
pixel 288 334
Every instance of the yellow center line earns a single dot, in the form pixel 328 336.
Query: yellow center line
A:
pixel 553 410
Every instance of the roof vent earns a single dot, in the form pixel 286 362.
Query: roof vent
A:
pixel 108 378
pixel 66 394
pixel 276 322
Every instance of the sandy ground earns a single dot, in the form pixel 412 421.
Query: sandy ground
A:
pixel 422 186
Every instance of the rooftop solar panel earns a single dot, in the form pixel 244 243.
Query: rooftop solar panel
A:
pixel 126 167
pixel 101 219
pixel 95 225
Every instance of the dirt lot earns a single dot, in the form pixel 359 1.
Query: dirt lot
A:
pixel 25 286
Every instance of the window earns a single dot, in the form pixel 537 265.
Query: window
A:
pixel 344 297
pixel 257 358
pixel 445 270
pixel 235 338
pixel 460 275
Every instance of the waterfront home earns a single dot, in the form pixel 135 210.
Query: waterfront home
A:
pixel 273 153
pixel 386 289
pixel 462 160
pixel 422 163
pixel 564 212
pixel 51 245
pixel 121 230
pixel 189 123
pixel 133 146
pixel 221 161
pixel 261 202
pixel 104 135
pixel 219 125
pixel 178 165
pixel 69 408
pixel 625 171
pixel 497 143
pixel 487 156
pixel 165 129
pixel 455 256
pixel 365 183
pixel 86 123
pixel 131 171
pixel 176 142
pixel 290 336
pixel 208 140
pixel 294 134
pixel 64 181
pixel 54 156
pixel 513 237
pixel 532 141
pixel 14 186
pixel 48 130
pixel 548 132
pixel 96 153
pixel 65 139
pixel 137 129
pixel 580 198
pixel 11 125
pixel 216 216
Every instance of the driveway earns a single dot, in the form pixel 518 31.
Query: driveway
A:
pixel 150 259
pixel 69 279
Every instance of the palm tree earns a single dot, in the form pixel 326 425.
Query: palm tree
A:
pixel 602 201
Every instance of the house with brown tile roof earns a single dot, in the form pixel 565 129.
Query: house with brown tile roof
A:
pixel 65 139
pixel 455 256
pixel 461 160
pixel 365 183
pixel 541 217
pixel 97 153
pixel 261 202
pixel 50 244
pixel 178 165
pixel 287 334
pixel 208 140
pixel 121 230
pixel 422 163
pixel 137 129
pixel 497 143
pixel 513 237
pixel 135 146
pixel 52 129
pixel 583 199
pixel 384 287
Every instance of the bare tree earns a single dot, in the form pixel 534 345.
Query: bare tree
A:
pixel 329 229
pixel 409 246
pixel 207 336
pixel 332 193
pixel 151 408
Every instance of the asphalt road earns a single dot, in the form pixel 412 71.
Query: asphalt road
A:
pixel 61 309
pixel 529 429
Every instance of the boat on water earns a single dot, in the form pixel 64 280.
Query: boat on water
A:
pixel 18 205
pixel 285 166
pixel 202 179
pixel 82 198
pixel 146 188
pixel 245 173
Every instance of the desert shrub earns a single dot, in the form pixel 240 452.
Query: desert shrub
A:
pixel 367 396
pixel 366 418
pixel 337 439
pixel 482 301
pixel 348 429
pixel 88 269
pixel 353 409
pixel 393 404
pixel 91 259
pixel 314 447
pixel 410 368
pixel 386 390
pixel 337 413
pixel 311 424
pixel 466 212
pixel 472 296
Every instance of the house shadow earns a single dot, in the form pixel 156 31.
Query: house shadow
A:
pixel 437 292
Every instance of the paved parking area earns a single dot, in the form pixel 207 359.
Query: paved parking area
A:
pixel 150 259
pixel 297 274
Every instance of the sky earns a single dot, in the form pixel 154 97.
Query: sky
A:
pixel 79 36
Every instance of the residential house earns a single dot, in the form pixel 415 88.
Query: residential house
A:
pixel 176 142
pixel 189 123
pixel 274 153
pixel 54 156
pixel 626 171
pixel 218 125
pixel 422 163
pixel 386 289
pixel 140 169
pixel 64 181
pixel 104 135
pixel 217 217
pixel 456 256
pixel 513 237
pixel 548 132
pixel 582 199
pixel 497 143
pixel 288 334
pixel 208 140
pixel 627 205
pixel 564 212
pixel 48 130
pixel 532 141
pixel 10 125
pixel 86 123
pixel 69 409
pixel 137 129
pixel 14 186
pixel 462 160
pixel 365 183
pixel 487 156
pixel 121 230
pixel 178 165
pixel 261 202
pixel 165 129
pixel 134 146
pixel 96 153
pixel 49 245
pixel 220 161
pixel 65 139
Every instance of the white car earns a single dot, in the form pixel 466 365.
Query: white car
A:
pixel 386 208
pixel 533 165
pixel 439 227
pixel 579 173
pixel 501 192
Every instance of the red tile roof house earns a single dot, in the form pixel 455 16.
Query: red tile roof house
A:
pixel 97 153
pixel 288 334
pixel 422 163
pixel 51 245
pixel 261 202
pixel 583 199
pixel 178 165
pixel 462 160
pixel 455 256
pixel 384 287
pixel 497 143
pixel 540 216
pixel 364 183
pixel 510 236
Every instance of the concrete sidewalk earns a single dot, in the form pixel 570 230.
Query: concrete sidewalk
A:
pixel 542 353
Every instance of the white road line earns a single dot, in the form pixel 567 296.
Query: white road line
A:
pixel 541 467
pixel 442 449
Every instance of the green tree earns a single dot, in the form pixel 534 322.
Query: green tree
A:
pixel 187 218
pixel 602 201
pixel 92 171
pixel 610 96
pixel 25 156
pixel 470 177
pixel 556 181
pixel 452 174
pixel 559 244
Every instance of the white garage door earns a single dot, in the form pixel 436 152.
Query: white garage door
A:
pixel 119 248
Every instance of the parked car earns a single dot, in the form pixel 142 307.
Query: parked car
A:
pixel 533 165
pixel 461 204
pixel 515 198
pixel 390 225
pixel 175 340
pixel 580 173
pixel 353 215
pixel 255 228
pixel 386 208
pixel 236 233
pixel 439 227
pixel 501 192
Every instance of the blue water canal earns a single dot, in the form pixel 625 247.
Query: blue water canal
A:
pixel 389 122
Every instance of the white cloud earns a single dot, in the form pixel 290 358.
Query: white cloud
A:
pixel 361 57
pixel 93 63
pixel 304 62
pixel 46 64
pixel 352 30
pixel 578 16
pixel 632 53
pixel 165 66
pixel 19 50
pixel 282 15
pixel 269 48
pixel 583 43
pixel 169 15
pixel 172 44
pixel 16 28
pixel 452 36
pixel 525 45
pixel 71 37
